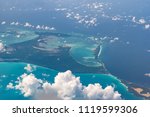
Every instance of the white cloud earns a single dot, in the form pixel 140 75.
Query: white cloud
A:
pixel 82 19
pixel 27 25
pixel 116 18
pixel 2 36
pixel 18 36
pixel 96 92
pixel 2 47
pixel 133 19
pixel 52 28
pixel 38 27
pixel 142 21
pixel 77 16
pixel 66 86
pixel 114 40
pixel 29 68
pixel 29 85
pixel 17 23
pixel 38 9
pixel 60 9
pixel 14 23
pixel 10 86
pixel 147 74
pixel 45 28
pixel 147 26
pixel 68 15
pixel 2 23
pixel 93 21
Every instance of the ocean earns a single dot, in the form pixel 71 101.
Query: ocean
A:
pixel 11 71
pixel 121 27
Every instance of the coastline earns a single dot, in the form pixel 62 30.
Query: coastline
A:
pixel 138 90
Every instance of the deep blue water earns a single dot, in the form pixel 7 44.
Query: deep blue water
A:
pixel 125 61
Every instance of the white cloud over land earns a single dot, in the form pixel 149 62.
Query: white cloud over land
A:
pixel 66 86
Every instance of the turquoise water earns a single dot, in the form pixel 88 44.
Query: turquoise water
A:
pixel 106 80
pixel 12 35
pixel 82 47
pixel 9 72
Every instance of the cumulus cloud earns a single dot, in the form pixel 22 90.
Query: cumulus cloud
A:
pixel 2 23
pixel 45 28
pixel 2 47
pixel 82 19
pixel 52 28
pixel 114 40
pixel 147 26
pixel 116 18
pixel 96 92
pixel 147 74
pixel 66 86
pixel 29 85
pixel 18 36
pixel 10 86
pixel 14 23
pixel 27 25
pixel 38 27
pixel 29 68
pixel 142 21
pixel 134 19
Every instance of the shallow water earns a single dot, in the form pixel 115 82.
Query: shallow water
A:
pixel 12 35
